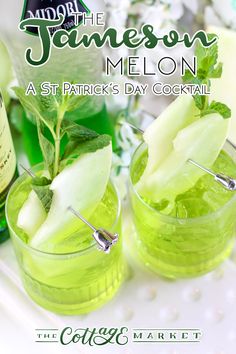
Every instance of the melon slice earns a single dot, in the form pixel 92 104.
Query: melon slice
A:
pixel 201 141
pixel 160 134
pixel 223 89
pixel 80 185
pixel 31 215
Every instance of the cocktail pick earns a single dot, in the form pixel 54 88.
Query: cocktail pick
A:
pixel 28 171
pixel 104 238
pixel 227 182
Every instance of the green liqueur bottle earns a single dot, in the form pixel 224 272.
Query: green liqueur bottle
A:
pixel 8 171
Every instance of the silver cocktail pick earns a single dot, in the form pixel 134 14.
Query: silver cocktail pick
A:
pixel 104 238
pixel 227 182
pixel 28 171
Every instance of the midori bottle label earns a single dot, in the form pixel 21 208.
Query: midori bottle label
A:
pixel 52 9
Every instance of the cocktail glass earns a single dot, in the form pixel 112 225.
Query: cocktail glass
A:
pixel 79 278
pixel 175 246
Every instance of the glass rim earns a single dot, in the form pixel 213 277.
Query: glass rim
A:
pixel 174 218
pixel 51 254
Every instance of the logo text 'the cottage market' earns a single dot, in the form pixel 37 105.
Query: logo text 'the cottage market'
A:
pixel 120 336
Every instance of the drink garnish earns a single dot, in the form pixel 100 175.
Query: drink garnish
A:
pixel 105 239
pixel 191 128
pixel 76 175
pixel 227 182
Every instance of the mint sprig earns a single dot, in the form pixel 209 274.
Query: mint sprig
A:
pixel 49 113
pixel 208 68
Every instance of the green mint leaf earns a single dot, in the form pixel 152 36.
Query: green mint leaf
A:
pixel 50 103
pixel 221 108
pixel 41 186
pixel 76 134
pixel 33 106
pixel 207 56
pixel 49 106
pixel 41 181
pixel 47 148
pixel 73 102
pixel 202 74
pixel 92 145
pixel 188 77
pixel 30 102
pixel 217 72
pixel 86 147
pixel 200 101
pixel 217 107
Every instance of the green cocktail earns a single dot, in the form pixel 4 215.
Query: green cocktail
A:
pixel 61 266
pixel 77 278
pixel 194 233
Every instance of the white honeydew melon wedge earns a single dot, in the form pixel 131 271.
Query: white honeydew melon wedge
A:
pixel 224 89
pixel 160 134
pixel 80 185
pixel 31 215
pixel 201 141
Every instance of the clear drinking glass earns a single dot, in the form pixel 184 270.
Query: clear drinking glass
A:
pixel 181 247
pixel 80 279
